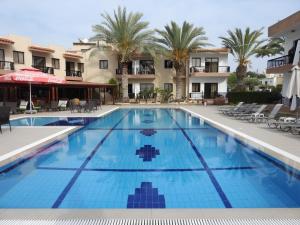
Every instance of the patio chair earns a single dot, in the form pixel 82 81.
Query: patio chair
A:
pixel 89 106
pixel 53 106
pixel 252 116
pixel 4 116
pixel 225 108
pixel 13 107
pixel 62 105
pixel 22 106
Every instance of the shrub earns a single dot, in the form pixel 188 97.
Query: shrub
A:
pixel 254 97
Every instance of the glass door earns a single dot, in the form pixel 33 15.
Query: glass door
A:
pixel 211 65
pixel 210 90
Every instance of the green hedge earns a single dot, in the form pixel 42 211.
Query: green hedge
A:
pixel 254 97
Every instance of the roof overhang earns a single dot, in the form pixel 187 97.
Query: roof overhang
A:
pixel 34 48
pixel 288 24
pixel 69 55
pixel 6 41
pixel 213 50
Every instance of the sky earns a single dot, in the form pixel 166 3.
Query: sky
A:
pixel 62 22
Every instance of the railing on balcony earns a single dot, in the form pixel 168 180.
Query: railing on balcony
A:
pixel 6 65
pixel 203 69
pixel 139 71
pixel 73 73
pixel 45 69
pixel 280 61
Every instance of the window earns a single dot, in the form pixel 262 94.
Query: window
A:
pixel 38 62
pixel 2 56
pixel 168 64
pixel 196 87
pixel 80 67
pixel 211 64
pixel 168 86
pixel 18 57
pixel 196 62
pixel 103 64
pixel 55 63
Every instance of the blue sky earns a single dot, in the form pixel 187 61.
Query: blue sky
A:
pixel 62 22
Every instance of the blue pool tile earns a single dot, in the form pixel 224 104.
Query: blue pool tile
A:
pixel 148 132
pixel 146 197
pixel 260 188
pixel 121 154
pixel 147 153
pixel 71 151
pixel 35 189
pixel 112 190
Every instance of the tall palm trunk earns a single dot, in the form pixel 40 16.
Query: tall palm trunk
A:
pixel 125 82
pixel 241 72
pixel 180 82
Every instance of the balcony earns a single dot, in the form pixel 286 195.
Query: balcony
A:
pixel 45 69
pixel 73 75
pixel 280 65
pixel 202 71
pixel 139 73
pixel 6 66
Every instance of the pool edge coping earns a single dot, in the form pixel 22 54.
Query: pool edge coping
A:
pixel 284 156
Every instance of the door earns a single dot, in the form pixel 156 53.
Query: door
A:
pixel 130 91
pixel 210 90
pixel 70 68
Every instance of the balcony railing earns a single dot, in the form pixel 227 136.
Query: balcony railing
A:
pixel 139 71
pixel 73 73
pixel 280 61
pixel 45 69
pixel 203 69
pixel 6 65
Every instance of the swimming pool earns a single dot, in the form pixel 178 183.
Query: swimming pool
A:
pixel 52 121
pixel 149 158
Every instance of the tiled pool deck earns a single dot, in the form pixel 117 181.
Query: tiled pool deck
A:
pixel 284 143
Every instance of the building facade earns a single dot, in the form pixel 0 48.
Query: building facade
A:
pixel 97 63
pixel 289 29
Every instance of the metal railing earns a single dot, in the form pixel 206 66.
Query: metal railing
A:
pixel 210 95
pixel 204 69
pixel 6 65
pixel 73 73
pixel 139 71
pixel 280 61
pixel 45 69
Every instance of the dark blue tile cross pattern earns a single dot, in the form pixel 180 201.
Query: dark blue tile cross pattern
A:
pixel 147 114
pixel 148 132
pixel 147 152
pixel 147 121
pixel 146 197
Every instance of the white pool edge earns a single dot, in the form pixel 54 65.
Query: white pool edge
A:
pixel 286 157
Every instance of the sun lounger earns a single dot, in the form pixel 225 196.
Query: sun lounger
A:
pixel 236 109
pixel 254 115
pixel 271 117
pixel 4 116
pixel 247 109
pixel 281 122
pixel 225 108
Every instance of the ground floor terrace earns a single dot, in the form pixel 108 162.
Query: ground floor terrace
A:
pixel 280 145
pixel 45 93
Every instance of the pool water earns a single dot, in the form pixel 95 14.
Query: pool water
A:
pixel 149 158
pixel 52 121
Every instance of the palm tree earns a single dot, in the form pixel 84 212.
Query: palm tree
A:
pixel 127 34
pixel 176 43
pixel 243 45
pixel 273 47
